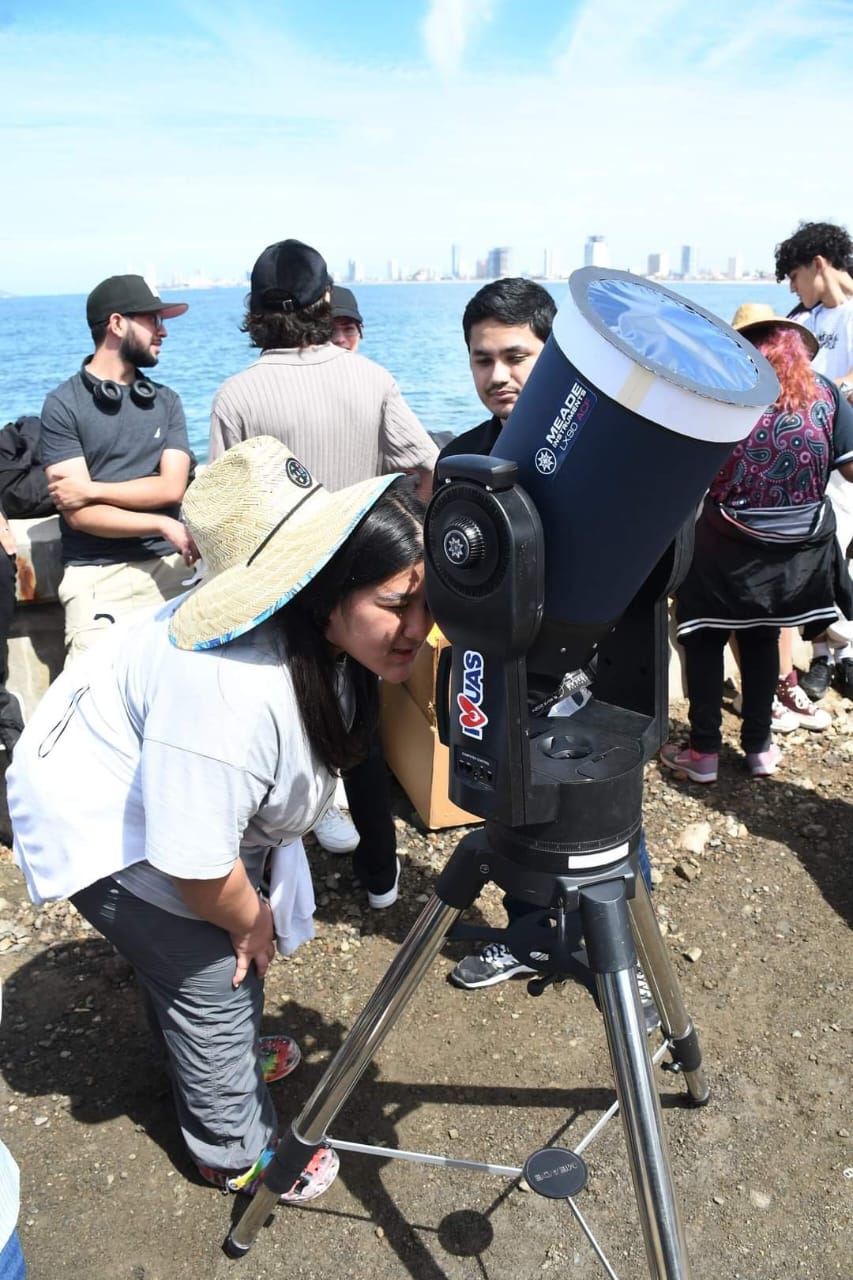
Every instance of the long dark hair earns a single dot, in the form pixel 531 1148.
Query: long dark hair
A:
pixel 388 540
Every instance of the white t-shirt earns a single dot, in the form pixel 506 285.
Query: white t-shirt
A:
pixel 833 328
pixel 144 762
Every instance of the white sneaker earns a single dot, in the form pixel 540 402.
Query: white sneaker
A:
pixel 782 719
pixel 378 901
pixel 336 831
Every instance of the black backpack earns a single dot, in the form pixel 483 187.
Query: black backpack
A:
pixel 23 484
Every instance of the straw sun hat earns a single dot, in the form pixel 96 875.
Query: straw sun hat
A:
pixel 752 316
pixel 265 527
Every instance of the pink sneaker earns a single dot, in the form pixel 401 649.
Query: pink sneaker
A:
pixel 799 705
pixel 319 1175
pixel 698 766
pixel 762 763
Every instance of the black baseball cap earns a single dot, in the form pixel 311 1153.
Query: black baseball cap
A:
pixel 288 276
pixel 127 296
pixel 344 305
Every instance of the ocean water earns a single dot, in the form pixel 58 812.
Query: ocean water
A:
pixel 414 330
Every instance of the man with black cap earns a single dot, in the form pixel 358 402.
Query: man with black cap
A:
pixel 345 419
pixel 117 460
pixel 347 324
pixel 340 413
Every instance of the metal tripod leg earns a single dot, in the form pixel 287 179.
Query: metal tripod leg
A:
pixel 654 957
pixel 612 956
pixel 461 882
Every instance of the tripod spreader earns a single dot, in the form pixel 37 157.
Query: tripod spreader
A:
pixel 607 916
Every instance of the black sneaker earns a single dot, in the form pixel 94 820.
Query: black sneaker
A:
pixel 818 678
pixel 495 963
pixel 843 680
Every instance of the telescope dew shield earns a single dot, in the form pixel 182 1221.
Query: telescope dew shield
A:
pixel 635 402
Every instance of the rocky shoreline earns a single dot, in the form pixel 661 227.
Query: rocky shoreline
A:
pixel 754 894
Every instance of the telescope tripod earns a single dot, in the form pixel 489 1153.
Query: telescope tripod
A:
pixel 617 927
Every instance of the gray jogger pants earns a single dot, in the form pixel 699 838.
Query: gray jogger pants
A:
pixel 210 1029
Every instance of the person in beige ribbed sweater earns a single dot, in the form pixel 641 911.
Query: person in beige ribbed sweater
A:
pixel 346 420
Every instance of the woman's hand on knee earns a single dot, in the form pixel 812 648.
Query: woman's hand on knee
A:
pixel 255 947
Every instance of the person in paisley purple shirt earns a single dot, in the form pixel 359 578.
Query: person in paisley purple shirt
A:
pixel 765 554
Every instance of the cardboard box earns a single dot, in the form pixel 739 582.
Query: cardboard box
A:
pixel 421 683
pixel 418 760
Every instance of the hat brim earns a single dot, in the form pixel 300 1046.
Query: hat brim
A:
pixel 230 603
pixel 168 310
pixel 782 323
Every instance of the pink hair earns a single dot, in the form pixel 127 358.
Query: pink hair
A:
pixel 787 353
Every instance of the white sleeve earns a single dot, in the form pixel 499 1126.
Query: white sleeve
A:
pixel 196 810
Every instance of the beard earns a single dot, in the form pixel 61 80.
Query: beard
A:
pixel 134 353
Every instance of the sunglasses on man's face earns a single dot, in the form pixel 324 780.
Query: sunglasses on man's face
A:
pixel 154 318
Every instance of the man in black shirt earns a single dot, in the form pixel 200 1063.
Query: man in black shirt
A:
pixel 506 324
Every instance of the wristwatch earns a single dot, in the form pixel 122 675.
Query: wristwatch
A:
pixel 846 389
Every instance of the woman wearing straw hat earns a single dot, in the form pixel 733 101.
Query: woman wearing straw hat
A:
pixel 160 769
pixel 765 550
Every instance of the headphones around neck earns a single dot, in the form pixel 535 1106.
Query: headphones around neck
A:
pixel 107 394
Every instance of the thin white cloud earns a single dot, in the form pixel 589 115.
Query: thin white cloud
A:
pixel 654 127
pixel 739 44
pixel 447 28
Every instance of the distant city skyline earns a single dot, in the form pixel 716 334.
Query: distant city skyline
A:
pixel 489 265
pixel 198 134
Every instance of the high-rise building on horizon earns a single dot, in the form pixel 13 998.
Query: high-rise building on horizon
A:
pixel 455 262
pixel 550 265
pixel 689 261
pixel 596 252
pixel 735 271
pixel 658 265
pixel 355 271
pixel 497 263
pixel 393 270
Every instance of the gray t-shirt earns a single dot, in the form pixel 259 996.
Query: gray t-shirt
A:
pixel 122 444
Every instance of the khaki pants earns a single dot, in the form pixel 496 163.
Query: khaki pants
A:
pixel 96 595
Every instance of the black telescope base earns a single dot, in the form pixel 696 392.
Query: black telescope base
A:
pixel 618 928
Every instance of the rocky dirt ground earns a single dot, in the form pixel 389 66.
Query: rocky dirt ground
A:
pixel 753 893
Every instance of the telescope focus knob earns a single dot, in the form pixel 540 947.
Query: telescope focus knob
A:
pixel 463 542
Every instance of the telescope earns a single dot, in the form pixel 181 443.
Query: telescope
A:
pixel 548 568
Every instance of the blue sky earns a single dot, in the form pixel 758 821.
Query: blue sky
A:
pixel 185 136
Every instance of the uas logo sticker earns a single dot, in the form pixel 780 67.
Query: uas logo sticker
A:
pixel 472 717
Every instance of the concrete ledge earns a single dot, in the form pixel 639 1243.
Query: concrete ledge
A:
pixel 37 634
pixel 39 558
pixel 36 651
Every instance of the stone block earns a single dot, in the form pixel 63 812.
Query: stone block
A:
pixel 39 558
pixel 36 650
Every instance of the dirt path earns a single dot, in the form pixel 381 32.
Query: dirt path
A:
pixel 761 903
